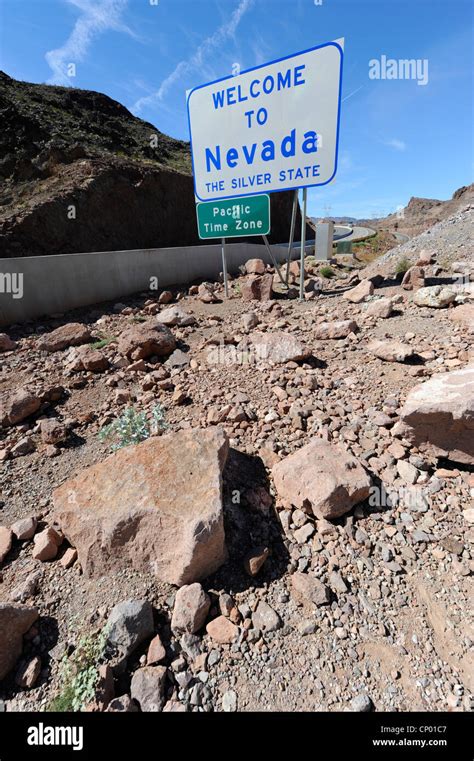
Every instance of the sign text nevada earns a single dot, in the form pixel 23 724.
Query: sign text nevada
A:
pixel 268 129
pixel 234 218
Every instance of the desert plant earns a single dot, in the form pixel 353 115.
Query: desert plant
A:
pixel 326 271
pixel 79 674
pixel 402 266
pixel 133 426
pixel 105 341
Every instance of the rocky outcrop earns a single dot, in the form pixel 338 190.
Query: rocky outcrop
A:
pixel 66 149
pixel 439 415
pixel 155 507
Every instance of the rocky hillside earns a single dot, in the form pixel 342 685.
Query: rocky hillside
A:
pixel 80 173
pixel 452 240
pixel 422 213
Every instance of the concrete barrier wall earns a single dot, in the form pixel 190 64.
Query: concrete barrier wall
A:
pixel 54 284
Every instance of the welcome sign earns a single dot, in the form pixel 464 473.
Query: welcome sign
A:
pixel 271 128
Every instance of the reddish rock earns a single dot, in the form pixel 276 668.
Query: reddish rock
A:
pixel 15 621
pixel 147 687
pixel 28 674
pixel 336 329
pixel 278 347
pixel 17 406
pixel 257 288
pixel 72 334
pixel 308 591
pixel 255 560
pixel 46 544
pixel 92 360
pixel 390 351
pixel 146 339
pixel 464 314
pixel 255 267
pixel 413 279
pixel 156 651
pixel 190 608
pixel 380 308
pixel 165 297
pixel 360 292
pixel 206 293
pixel 6 537
pixel 176 316
pixel 25 528
pixel 69 557
pixel 25 446
pixel 6 343
pixel 171 525
pixel 323 476
pixel 52 431
pixel 222 630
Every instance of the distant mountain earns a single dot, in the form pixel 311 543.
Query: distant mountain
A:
pixel 79 172
pixel 422 213
pixel 336 220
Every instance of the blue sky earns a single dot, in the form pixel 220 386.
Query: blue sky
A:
pixel 398 138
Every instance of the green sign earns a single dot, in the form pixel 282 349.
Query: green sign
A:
pixel 234 217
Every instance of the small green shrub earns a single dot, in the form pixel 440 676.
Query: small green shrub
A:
pixel 79 674
pixel 105 341
pixel 133 426
pixel 402 266
pixel 326 271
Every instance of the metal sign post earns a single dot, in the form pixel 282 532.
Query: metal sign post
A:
pixel 292 235
pixel 224 270
pixel 275 264
pixel 303 243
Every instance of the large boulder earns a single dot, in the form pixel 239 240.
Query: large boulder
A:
pixel 72 334
pixel 17 406
pixel 145 339
pixel 464 313
pixel 257 288
pixel 255 267
pixel 155 507
pixel 360 292
pixel 322 476
pixel 15 620
pixel 278 347
pixel 413 278
pixel 439 415
pixel 434 296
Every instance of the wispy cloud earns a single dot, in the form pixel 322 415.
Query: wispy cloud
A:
pixel 198 60
pixel 97 16
pixel 398 145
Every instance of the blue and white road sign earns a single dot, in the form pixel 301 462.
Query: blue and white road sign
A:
pixel 271 128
